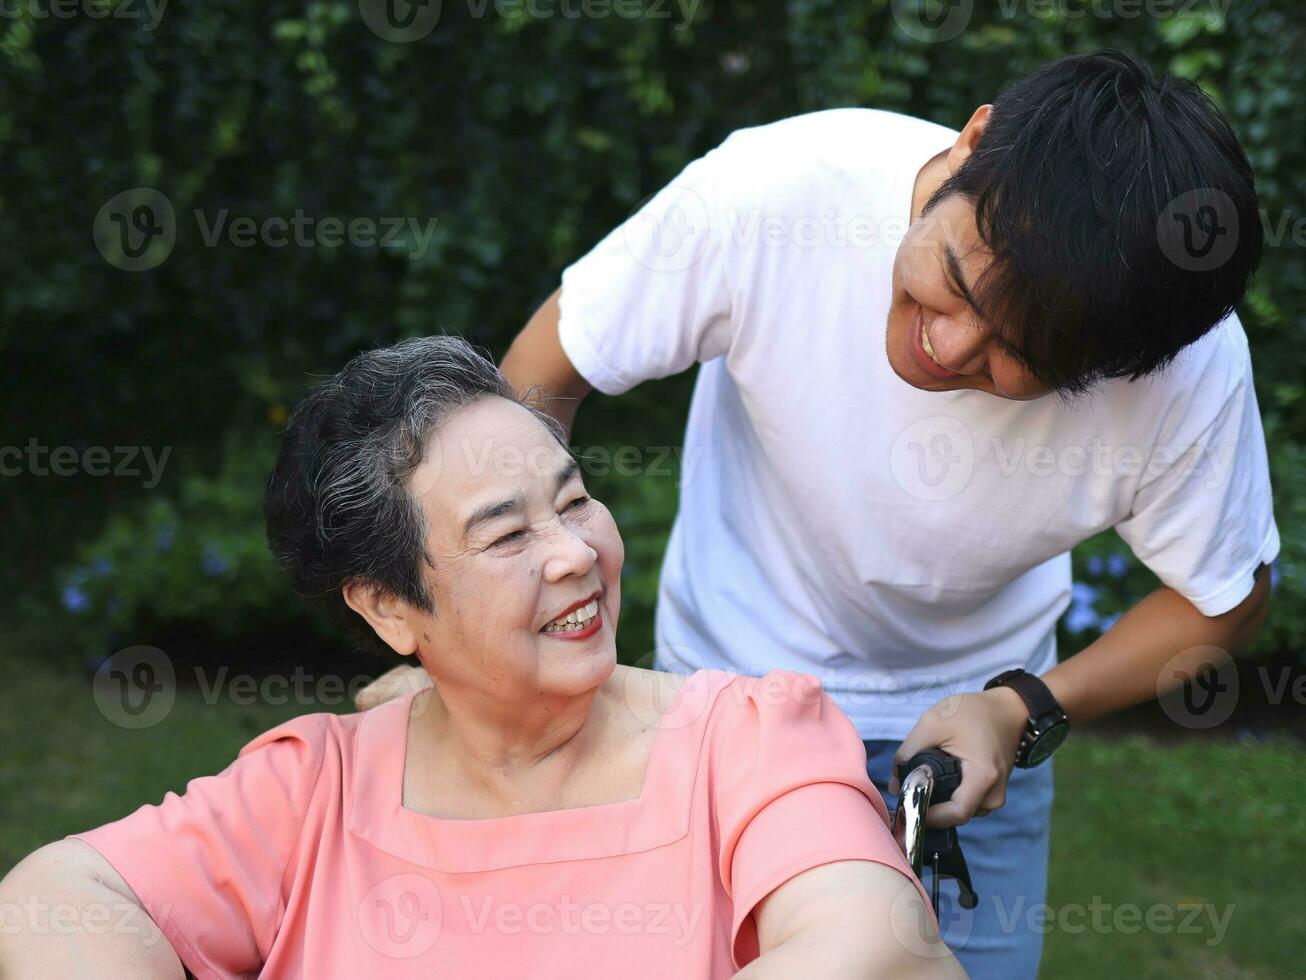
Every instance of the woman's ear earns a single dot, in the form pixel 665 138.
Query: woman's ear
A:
pixel 388 615
pixel 968 138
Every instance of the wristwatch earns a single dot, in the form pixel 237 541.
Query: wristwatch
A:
pixel 1047 726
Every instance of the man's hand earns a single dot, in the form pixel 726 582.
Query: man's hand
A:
pixel 390 685
pixel 983 731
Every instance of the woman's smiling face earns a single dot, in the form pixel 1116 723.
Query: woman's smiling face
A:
pixel 515 543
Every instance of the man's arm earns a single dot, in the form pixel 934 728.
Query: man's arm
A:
pixel 1146 654
pixel 1165 633
pixel 536 360
pixel 848 919
pixel 68 913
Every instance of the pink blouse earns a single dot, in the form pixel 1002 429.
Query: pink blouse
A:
pixel 299 859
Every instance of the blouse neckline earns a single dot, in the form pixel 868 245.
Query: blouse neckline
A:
pixel 658 816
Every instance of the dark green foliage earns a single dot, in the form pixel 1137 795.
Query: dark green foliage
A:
pixel 525 139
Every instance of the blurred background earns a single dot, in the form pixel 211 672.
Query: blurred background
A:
pixel 205 208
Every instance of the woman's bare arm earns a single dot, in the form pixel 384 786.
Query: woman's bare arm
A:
pixel 65 912
pixel 849 919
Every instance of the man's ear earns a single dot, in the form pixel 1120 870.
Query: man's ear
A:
pixel 386 614
pixel 969 138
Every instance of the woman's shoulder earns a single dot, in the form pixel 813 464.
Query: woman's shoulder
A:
pixel 322 730
pixel 785 705
pixel 660 698
pixel 305 747
pixel 315 729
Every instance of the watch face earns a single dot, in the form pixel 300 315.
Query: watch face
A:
pixel 1046 744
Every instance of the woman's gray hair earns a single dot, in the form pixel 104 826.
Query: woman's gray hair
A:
pixel 337 505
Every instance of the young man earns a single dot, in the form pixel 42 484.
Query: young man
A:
pixel 931 363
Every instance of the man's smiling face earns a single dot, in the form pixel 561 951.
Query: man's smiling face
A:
pixel 937 337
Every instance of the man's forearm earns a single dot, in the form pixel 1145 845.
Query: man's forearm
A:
pixel 537 364
pixel 1164 633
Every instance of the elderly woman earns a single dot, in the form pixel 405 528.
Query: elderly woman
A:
pixel 538 810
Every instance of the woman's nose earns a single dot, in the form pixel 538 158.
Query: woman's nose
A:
pixel 571 554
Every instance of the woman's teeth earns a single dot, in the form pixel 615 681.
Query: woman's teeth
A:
pixel 575 620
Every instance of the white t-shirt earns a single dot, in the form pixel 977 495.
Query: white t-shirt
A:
pixel 901 545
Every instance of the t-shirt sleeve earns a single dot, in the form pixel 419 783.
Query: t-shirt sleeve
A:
pixel 654 296
pixel 1204 522
pixel 790 793
pixel 208 864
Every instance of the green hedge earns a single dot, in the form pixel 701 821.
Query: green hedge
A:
pixel 525 138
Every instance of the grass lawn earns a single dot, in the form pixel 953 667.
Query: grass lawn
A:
pixel 1177 833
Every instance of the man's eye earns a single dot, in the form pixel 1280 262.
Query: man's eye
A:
pixel 578 502
pixel 511 536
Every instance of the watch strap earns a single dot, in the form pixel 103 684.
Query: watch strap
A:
pixel 1032 690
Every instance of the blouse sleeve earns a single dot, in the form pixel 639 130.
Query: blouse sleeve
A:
pixel 790 792
pixel 208 865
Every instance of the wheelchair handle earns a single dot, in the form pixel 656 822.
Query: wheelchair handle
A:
pixel 929 777
pixel 946 769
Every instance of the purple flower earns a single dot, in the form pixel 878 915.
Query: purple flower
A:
pixel 1081 618
pixel 74 599
pixel 102 566
pixel 213 563
pixel 1083 594
pixel 1117 564
pixel 163 540
pixel 1094 565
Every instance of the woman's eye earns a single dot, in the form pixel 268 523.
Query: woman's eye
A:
pixel 511 536
pixel 578 502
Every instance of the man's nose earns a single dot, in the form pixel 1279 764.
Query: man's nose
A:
pixel 958 346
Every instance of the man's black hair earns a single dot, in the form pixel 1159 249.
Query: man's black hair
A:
pixel 1121 215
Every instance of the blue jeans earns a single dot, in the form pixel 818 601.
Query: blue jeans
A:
pixel 1007 853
